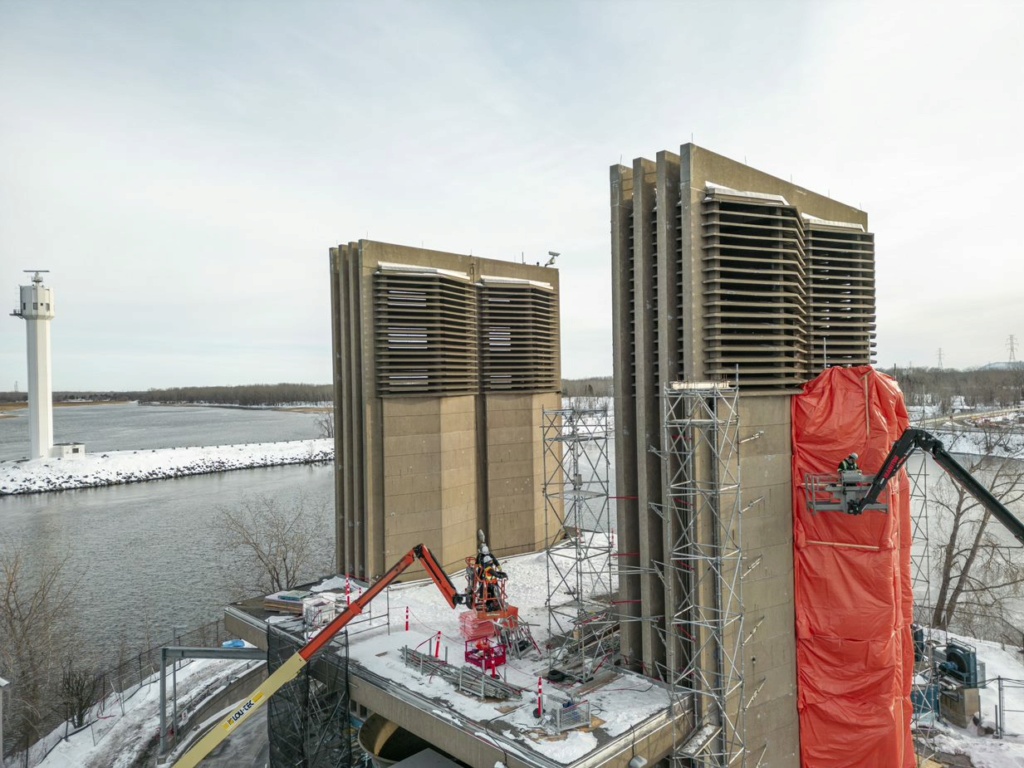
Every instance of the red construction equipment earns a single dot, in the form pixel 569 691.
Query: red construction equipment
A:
pixel 486 654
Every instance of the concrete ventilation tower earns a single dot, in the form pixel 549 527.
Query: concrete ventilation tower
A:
pixel 36 309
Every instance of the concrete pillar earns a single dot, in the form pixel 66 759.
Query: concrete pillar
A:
pixel 36 309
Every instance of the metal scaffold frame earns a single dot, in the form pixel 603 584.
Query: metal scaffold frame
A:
pixel 581 587
pixel 308 719
pixel 920 553
pixel 926 712
pixel 702 574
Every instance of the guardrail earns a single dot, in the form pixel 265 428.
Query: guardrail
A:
pixel 112 687
pixel 467 679
pixel 1001 710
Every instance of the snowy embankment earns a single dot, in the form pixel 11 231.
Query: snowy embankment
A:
pixel 118 467
pixel 980 442
pixel 130 727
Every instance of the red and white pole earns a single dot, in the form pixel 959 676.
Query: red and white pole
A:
pixel 540 698
pixel 407 618
pixel 348 591
pixel 437 647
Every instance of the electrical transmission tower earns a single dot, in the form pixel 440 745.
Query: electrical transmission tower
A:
pixel 940 358
pixel 1011 344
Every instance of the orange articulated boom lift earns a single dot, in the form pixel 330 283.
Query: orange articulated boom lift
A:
pixel 291 668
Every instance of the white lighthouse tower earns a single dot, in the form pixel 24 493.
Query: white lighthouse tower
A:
pixel 36 309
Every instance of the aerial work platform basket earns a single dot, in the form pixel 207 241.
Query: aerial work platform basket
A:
pixel 836 492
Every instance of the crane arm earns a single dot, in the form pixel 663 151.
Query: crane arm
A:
pixel 980 492
pixel 902 449
pixel 439 577
pixel 294 664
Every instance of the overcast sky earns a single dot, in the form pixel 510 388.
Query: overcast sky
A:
pixel 182 168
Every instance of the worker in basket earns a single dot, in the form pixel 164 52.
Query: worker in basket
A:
pixel 849 464
pixel 488 578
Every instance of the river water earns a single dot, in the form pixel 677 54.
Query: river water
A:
pixel 143 557
pixel 124 427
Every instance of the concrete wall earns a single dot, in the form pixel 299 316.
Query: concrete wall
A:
pixel 429 473
pixel 705 165
pixel 769 655
pixel 515 471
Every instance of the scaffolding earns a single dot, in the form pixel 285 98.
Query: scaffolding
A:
pixel 581 620
pixel 703 634
pixel 924 692
pixel 308 718
pixel 920 553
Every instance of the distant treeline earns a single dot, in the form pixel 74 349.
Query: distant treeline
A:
pixel 922 386
pixel 981 387
pixel 245 395
pixel 71 397
pixel 268 394
pixel 599 386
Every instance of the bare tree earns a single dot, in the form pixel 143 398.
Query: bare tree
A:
pixel 275 546
pixel 325 423
pixel 78 689
pixel 979 565
pixel 35 619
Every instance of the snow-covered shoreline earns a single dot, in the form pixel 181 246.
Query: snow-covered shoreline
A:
pixel 119 467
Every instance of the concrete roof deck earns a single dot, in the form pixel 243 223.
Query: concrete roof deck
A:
pixel 630 714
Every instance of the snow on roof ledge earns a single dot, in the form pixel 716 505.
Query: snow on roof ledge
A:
pixel 827 223
pixel 514 281
pixel 712 189
pixel 416 269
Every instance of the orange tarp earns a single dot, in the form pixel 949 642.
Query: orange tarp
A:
pixel 854 599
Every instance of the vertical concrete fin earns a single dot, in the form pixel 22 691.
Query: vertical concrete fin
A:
pixel 624 371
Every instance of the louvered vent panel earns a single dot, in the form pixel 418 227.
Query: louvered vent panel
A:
pixel 518 337
pixel 755 309
pixel 426 334
pixel 841 293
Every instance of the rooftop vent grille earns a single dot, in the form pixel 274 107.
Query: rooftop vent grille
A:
pixel 518 336
pixel 426 331
pixel 755 294
pixel 841 294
